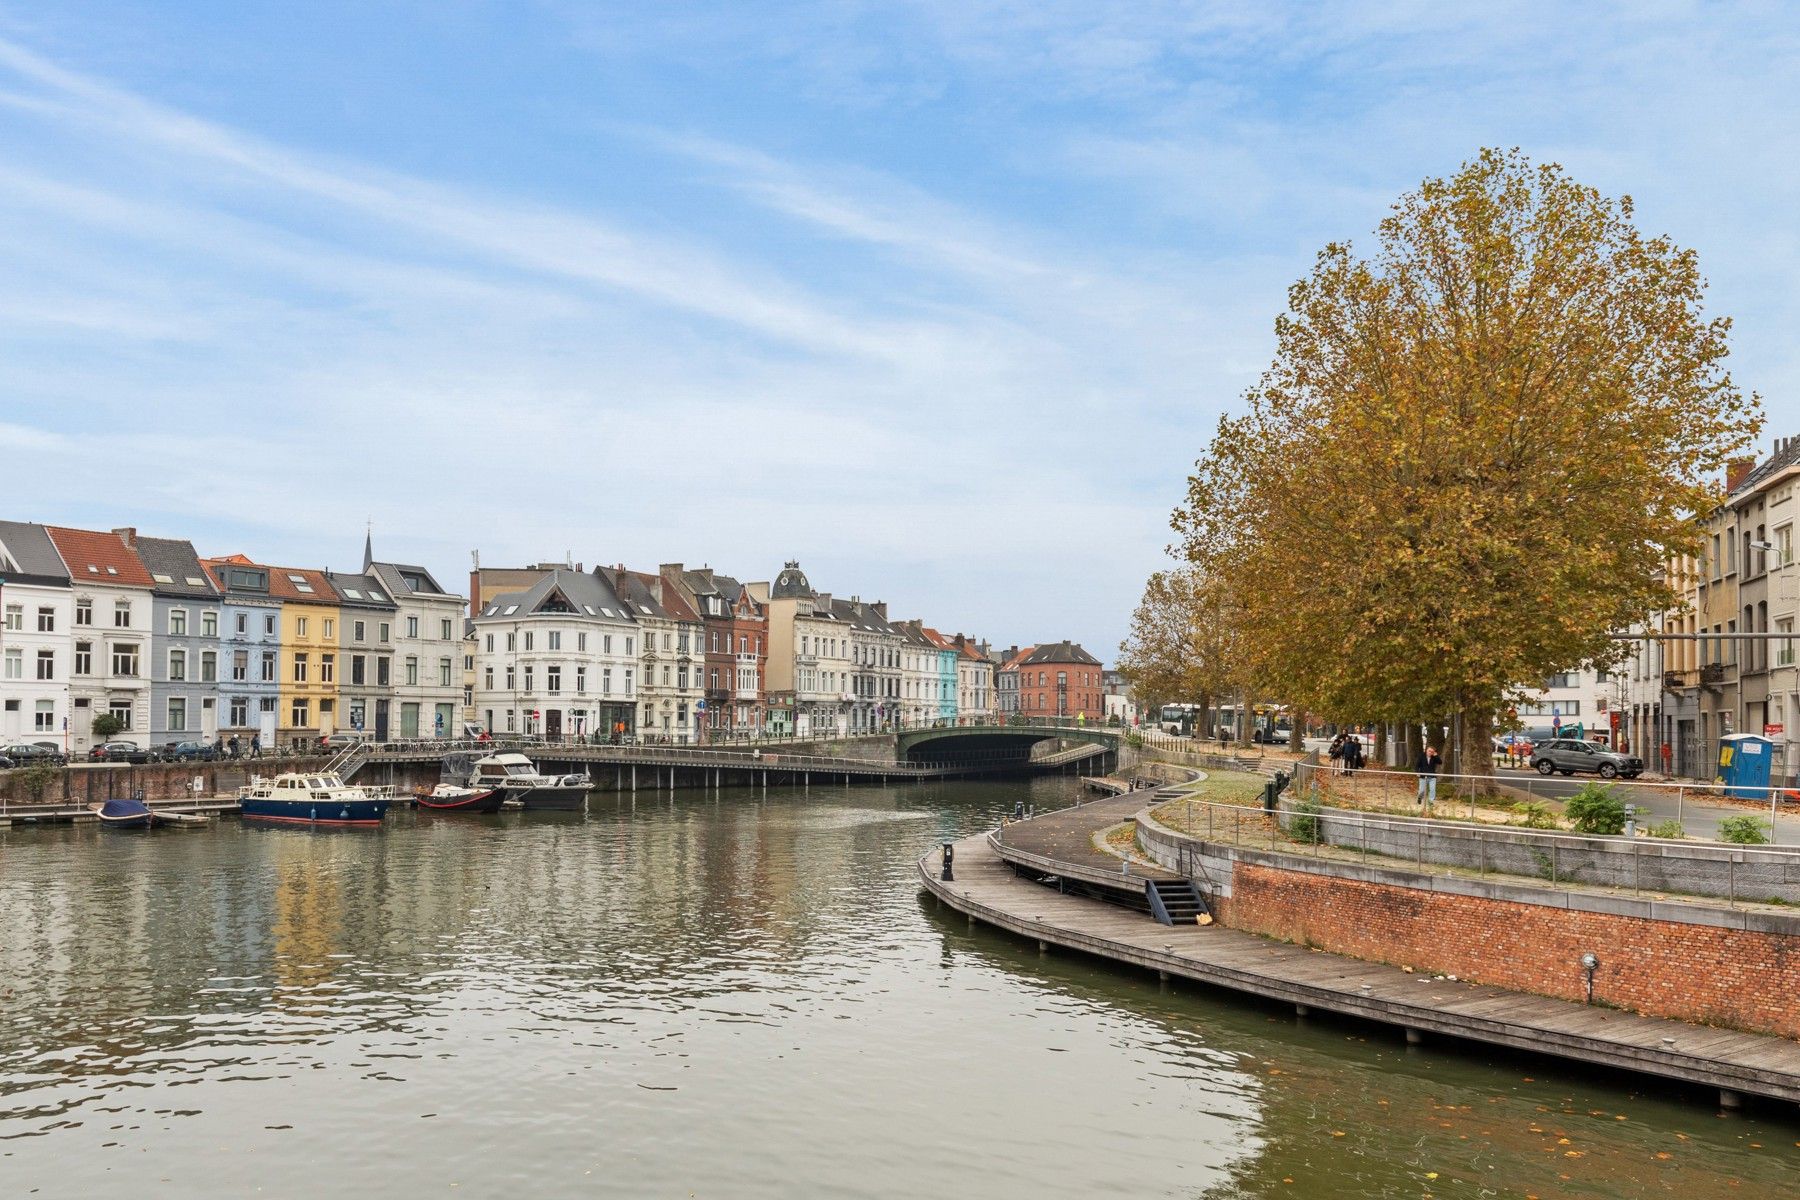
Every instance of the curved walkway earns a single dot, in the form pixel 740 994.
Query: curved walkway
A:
pixel 987 888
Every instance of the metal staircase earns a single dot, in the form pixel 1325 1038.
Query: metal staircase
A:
pixel 1176 902
pixel 348 761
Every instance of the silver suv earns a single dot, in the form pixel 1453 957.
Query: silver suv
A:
pixel 1569 756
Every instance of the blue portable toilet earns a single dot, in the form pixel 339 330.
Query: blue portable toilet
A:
pixel 1744 760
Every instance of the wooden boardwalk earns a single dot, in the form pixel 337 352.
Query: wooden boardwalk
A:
pixel 987 889
pixel 23 814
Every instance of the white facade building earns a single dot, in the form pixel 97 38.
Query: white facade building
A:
pixel 109 669
pixel 558 660
pixel 38 612
pixel 672 656
pixel 428 648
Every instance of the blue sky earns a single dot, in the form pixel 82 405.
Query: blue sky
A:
pixel 941 299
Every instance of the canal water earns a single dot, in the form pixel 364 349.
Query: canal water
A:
pixel 731 995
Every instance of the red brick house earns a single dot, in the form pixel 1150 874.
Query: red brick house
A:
pixel 1060 679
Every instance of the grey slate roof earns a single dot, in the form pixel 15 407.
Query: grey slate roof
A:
pixel 405 579
pixel 859 616
pixel 1059 652
pixel 1785 457
pixel 362 591
pixel 175 561
pixel 591 595
pixel 28 555
pixel 792 582
pixel 636 593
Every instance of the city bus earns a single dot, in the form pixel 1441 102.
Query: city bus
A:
pixel 1178 719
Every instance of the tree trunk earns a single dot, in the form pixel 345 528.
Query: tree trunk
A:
pixel 1477 755
pixel 1297 734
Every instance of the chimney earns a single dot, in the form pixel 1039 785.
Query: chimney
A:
pixel 880 607
pixel 1736 470
pixel 128 535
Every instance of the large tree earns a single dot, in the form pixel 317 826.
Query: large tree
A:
pixel 1184 645
pixel 1471 452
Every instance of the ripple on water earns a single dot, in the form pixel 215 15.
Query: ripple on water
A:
pixel 723 995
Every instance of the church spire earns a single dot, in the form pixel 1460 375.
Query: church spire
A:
pixel 369 548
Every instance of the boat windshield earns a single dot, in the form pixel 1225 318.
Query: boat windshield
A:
pixel 317 783
pixel 520 769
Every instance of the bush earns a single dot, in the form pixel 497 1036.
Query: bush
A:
pixel 106 726
pixel 1596 808
pixel 1535 814
pixel 1666 829
pixel 36 780
pixel 1303 822
pixel 1744 831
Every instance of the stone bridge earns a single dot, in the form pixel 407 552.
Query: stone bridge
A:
pixel 1023 740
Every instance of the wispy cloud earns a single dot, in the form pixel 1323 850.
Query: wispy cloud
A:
pixel 942 298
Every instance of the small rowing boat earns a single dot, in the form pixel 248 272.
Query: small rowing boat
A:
pixel 124 814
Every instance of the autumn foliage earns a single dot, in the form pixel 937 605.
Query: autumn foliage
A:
pixel 1470 455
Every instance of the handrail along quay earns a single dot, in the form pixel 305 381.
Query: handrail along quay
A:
pixel 994 882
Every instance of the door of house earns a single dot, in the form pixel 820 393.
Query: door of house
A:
pixel 381 720
pixel 409 720
pixel 553 724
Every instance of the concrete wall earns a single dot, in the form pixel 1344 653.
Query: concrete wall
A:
pixel 1639 864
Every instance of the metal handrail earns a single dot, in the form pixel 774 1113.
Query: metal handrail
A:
pixel 1478 832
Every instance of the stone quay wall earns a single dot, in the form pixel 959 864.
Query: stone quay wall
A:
pixel 1691 960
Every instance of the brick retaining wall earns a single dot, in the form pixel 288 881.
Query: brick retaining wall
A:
pixel 1740 978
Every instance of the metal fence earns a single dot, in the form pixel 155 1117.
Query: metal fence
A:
pixel 1733 873
pixel 1464 793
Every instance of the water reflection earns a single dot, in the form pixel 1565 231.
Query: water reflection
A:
pixel 725 994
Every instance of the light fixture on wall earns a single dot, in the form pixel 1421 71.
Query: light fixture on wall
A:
pixel 1590 962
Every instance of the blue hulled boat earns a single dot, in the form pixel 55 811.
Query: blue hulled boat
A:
pixel 319 798
pixel 124 814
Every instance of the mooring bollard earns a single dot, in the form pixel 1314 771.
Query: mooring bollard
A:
pixel 949 857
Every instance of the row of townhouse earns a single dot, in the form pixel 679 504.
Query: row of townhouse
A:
pixel 174 647
pixel 1728 665
pixel 684 655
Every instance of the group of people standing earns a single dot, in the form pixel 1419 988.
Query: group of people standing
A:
pixel 1346 752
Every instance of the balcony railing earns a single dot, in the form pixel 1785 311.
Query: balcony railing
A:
pixel 1712 674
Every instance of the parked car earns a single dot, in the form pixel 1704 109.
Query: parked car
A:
pixel 125 752
pixel 187 752
pixel 5 763
pixel 1568 756
pixel 28 754
pixel 337 741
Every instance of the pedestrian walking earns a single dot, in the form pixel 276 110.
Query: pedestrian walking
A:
pixel 1426 766
pixel 231 747
pixel 1336 753
pixel 256 745
pixel 1353 754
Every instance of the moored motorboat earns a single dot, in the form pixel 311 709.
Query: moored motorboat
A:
pixel 451 797
pixel 523 786
pixel 124 813
pixel 317 798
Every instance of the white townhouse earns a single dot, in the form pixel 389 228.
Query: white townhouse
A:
pixel 875 666
pixel 428 647
pixel 811 658
pixel 672 654
pixel 109 672
pixel 558 660
pixel 918 674
pixel 38 610
pixel 974 681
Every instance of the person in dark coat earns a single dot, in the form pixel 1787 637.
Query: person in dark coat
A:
pixel 1426 767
